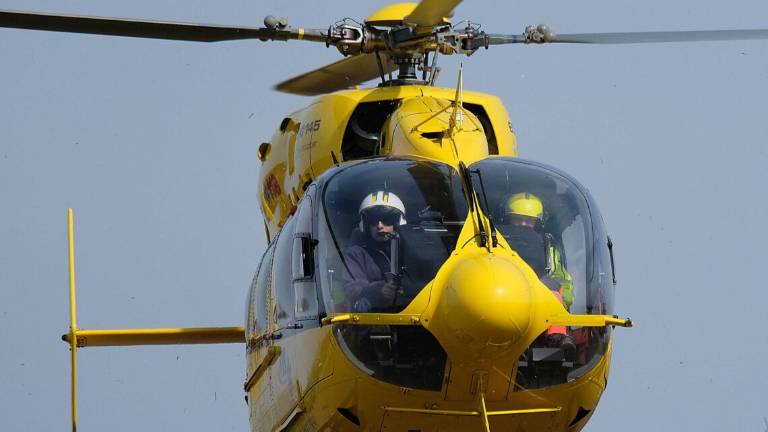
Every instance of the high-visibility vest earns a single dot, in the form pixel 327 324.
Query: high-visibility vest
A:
pixel 557 271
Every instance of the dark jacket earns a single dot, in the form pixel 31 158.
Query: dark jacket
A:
pixel 364 272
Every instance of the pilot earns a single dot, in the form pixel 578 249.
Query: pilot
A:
pixel 523 228
pixel 369 282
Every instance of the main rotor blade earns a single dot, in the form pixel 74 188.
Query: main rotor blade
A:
pixel 431 12
pixel 345 73
pixel 130 28
pixel 638 37
pixel 658 37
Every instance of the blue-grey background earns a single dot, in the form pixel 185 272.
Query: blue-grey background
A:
pixel 154 145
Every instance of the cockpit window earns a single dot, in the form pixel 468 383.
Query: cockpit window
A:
pixel 554 226
pixel 389 226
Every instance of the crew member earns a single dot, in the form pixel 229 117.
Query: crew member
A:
pixel 369 281
pixel 523 228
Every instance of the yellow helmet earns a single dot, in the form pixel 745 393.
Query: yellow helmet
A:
pixel 525 204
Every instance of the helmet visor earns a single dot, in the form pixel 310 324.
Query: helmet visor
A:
pixel 523 221
pixel 385 215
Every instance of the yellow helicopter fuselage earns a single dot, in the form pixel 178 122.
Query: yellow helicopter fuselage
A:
pixel 484 306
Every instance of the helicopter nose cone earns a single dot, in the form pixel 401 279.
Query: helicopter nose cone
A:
pixel 485 308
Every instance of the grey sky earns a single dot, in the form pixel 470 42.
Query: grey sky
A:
pixel 153 143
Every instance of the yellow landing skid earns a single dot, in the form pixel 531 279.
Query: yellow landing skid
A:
pixel 481 412
pixel 78 338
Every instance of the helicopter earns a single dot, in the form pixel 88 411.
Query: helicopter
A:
pixel 484 230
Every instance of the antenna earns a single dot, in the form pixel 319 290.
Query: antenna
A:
pixel 457 118
pixel 72 314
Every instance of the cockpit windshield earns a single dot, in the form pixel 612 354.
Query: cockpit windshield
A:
pixel 389 226
pixel 553 224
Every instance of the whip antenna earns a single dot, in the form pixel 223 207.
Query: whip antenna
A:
pixel 457 118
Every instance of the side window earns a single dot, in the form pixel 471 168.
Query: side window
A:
pixel 257 313
pixel 303 262
pixel 281 273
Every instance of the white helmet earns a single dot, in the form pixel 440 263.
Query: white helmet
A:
pixel 385 201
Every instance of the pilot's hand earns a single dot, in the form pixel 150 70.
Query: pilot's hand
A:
pixel 388 291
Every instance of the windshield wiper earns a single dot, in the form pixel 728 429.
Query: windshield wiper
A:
pixel 472 195
pixel 494 239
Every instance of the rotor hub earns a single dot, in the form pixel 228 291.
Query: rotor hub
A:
pixel 407 65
